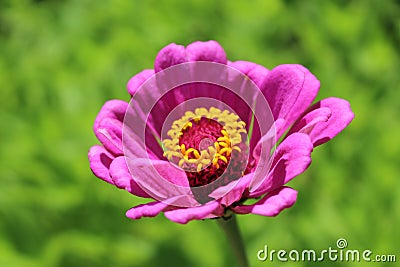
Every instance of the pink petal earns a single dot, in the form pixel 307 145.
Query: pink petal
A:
pixel 136 81
pixel 206 51
pixel 170 55
pixel 234 193
pixel 271 204
pixel 134 146
pixel 113 109
pixel 162 181
pixel 325 130
pixel 138 133
pixel 262 156
pixel 255 72
pixel 100 160
pixel 267 142
pixel 257 75
pixel 307 123
pixel 292 157
pixel 289 90
pixel 123 179
pixel 184 215
pixel 163 168
pixel 109 133
pixel 151 209
pixel 109 125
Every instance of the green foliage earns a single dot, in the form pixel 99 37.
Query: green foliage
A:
pixel 61 60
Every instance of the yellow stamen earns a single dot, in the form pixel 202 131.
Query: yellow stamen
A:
pixel 204 155
pixel 189 114
pixel 221 149
pixel 226 150
pixel 189 124
pixel 190 150
pixel 212 151
pixel 223 144
pixel 237 148
pixel 224 139
pixel 216 145
pixel 183 149
pixel 242 131
pixel 196 153
pixel 192 160
pixel 199 167
pixel 223 158
pixel 172 133
pixel 215 160
pixel 201 111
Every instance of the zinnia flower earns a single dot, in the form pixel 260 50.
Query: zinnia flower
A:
pixel 201 150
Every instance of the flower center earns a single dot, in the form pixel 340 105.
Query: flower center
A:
pixel 203 142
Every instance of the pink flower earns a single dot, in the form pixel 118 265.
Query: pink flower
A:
pixel 206 142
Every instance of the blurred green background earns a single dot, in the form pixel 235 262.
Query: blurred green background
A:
pixel 61 60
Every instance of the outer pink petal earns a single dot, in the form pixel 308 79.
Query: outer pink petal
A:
pixel 232 193
pixel 325 130
pixel 307 123
pixel 163 168
pixel 267 142
pixel 184 215
pixel 151 209
pixel 109 133
pixel 162 181
pixel 257 75
pixel 292 157
pixel 255 72
pixel 123 179
pixel 272 204
pixel 136 81
pixel 289 90
pixel 261 154
pixel 113 109
pixel 100 160
pixel 170 55
pixel 206 51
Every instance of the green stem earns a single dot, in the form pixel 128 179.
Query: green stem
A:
pixel 231 229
